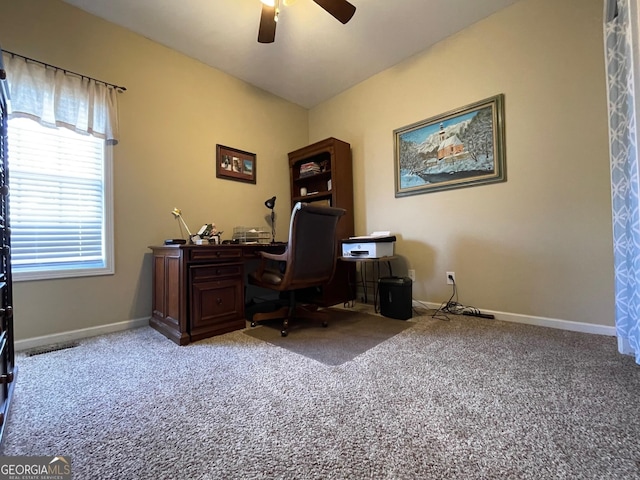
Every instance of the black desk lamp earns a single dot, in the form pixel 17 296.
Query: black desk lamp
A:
pixel 270 204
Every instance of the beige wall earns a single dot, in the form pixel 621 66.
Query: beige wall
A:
pixel 538 245
pixel 173 114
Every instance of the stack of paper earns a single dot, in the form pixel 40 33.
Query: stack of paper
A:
pixel 310 168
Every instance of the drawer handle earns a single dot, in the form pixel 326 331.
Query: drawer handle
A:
pixel 219 301
pixel 6 378
pixel 218 253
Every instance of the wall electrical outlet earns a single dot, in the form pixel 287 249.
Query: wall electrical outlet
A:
pixel 451 274
pixel 412 275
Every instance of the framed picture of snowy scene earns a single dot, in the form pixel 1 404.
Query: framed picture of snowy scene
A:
pixel 461 148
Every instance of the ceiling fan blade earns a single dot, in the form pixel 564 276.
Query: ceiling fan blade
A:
pixel 340 9
pixel 267 30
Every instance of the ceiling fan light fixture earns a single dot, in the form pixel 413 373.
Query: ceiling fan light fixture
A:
pixel 341 10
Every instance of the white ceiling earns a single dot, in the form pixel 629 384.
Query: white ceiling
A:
pixel 314 57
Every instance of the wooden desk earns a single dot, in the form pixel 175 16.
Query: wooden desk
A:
pixel 198 290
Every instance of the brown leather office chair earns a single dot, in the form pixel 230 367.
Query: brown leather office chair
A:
pixel 309 261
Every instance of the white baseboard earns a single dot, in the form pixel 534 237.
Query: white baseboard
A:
pixel 34 342
pixel 540 321
pixel 21 345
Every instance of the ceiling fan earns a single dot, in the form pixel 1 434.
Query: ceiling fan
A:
pixel 340 9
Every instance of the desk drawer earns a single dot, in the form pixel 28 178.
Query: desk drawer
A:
pixel 216 307
pixel 222 253
pixel 205 273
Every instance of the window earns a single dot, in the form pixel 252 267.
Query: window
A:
pixel 60 202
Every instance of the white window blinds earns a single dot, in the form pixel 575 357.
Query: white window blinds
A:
pixel 60 200
pixel 57 201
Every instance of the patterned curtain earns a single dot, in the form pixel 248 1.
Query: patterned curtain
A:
pixel 619 31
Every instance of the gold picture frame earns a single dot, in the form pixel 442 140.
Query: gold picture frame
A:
pixel 460 148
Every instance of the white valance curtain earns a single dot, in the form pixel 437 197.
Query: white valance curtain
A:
pixel 621 56
pixel 54 97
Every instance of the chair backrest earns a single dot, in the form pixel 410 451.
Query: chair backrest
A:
pixel 312 246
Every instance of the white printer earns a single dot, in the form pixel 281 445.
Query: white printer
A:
pixel 376 245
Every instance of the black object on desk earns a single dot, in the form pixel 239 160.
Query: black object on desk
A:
pixel 175 241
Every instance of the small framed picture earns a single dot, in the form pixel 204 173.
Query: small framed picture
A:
pixel 234 164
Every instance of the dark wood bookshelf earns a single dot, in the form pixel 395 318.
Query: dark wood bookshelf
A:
pixel 331 184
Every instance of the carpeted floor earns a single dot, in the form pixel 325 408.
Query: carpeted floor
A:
pixel 349 334
pixel 464 399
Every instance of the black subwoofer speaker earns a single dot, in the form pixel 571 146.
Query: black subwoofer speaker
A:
pixel 395 297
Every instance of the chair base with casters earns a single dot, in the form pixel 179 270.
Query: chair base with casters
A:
pixel 308 262
pixel 291 311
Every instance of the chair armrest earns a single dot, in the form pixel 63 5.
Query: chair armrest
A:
pixel 267 259
pixel 278 257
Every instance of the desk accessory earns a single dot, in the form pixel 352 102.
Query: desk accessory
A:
pixel 177 213
pixel 175 241
pixel 271 203
pixel 248 235
pixel 208 234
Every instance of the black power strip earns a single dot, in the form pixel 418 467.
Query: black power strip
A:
pixel 478 314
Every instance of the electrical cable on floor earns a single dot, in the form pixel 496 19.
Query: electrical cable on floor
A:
pixel 455 308
pixel 448 306
pixel 427 309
